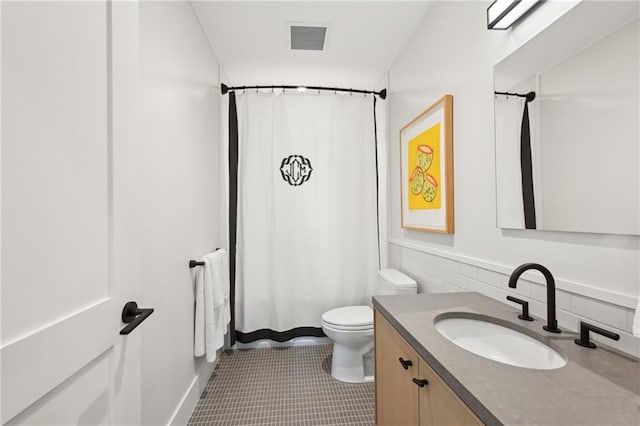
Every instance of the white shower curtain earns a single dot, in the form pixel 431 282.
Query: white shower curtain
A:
pixel 508 122
pixel 307 237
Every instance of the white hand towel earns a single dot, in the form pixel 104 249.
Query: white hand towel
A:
pixel 216 275
pixel 212 305
pixel 199 342
pixel 224 257
pixel 210 330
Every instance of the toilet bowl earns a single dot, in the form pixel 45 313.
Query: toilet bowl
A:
pixel 351 328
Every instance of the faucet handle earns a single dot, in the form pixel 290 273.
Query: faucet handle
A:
pixel 525 308
pixel 585 328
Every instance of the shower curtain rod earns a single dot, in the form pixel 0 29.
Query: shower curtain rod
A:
pixel 382 93
pixel 529 96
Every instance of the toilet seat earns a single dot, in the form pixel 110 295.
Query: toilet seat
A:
pixel 349 318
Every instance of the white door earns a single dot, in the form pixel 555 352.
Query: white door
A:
pixel 68 260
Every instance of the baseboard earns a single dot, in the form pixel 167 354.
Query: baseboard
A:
pixel 190 399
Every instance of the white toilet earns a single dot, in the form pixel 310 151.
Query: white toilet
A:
pixel 351 328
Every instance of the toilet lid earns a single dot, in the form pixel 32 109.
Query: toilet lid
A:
pixel 349 316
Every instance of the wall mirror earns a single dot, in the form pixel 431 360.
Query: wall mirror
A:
pixel 583 128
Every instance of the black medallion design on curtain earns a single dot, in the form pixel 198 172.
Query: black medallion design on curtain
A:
pixel 295 169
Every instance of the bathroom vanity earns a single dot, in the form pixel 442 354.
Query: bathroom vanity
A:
pixel 423 378
pixel 408 391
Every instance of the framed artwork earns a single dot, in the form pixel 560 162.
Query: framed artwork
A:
pixel 426 169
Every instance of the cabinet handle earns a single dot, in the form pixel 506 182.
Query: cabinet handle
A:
pixel 420 382
pixel 406 363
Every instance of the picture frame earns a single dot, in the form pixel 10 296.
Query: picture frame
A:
pixel 426 169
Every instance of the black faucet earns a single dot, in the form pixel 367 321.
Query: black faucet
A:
pixel 552 324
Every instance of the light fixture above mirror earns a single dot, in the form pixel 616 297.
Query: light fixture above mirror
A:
pixel 501 14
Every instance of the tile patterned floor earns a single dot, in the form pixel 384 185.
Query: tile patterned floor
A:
pixel 282 386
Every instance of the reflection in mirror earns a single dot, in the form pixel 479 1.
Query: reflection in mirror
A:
pixel 583 126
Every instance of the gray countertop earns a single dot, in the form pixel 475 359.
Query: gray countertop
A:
pixel 596 387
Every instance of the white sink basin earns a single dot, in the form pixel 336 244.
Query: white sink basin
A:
pixel 483 336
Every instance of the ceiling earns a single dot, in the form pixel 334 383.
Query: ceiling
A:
pixel 250 39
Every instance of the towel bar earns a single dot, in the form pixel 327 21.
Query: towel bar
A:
pixel 194 263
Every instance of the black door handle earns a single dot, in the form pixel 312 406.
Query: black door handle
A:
pixel 406 363
pixel 133 316
pixel 420 382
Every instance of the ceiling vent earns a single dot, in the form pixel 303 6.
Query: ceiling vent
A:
pixel 307 37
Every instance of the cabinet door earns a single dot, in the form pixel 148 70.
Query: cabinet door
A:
pixel 439 405
pixel 396 394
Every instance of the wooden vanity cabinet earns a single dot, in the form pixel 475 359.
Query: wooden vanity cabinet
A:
pixel 396 394
pixel 399 400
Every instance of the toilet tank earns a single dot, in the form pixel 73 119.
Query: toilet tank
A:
pixel 392 281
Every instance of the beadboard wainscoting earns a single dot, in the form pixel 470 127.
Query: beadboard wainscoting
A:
pixel 438 271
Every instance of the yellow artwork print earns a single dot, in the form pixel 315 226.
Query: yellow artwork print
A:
pixel 424 188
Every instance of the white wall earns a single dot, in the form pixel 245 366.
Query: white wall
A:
pixel 453 52
pixel 180 201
